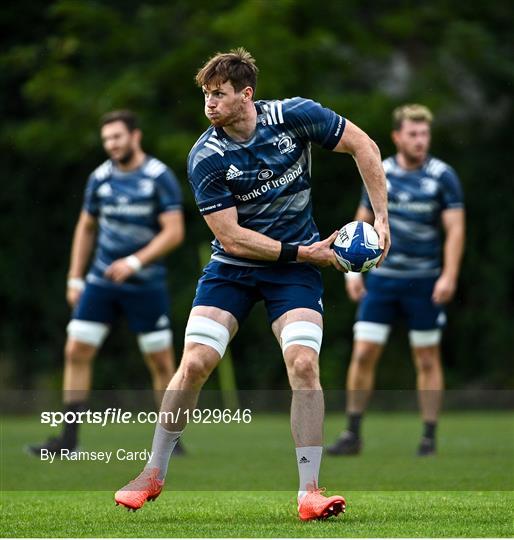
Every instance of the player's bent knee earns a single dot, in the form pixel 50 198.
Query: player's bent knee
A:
pixel 151 342
pixel 207 332
pixel 426 364
pixel 77 352
pixel 363 356
pixel 196 369
pixel 160 362
pixel 77 355
pixel 427 359
pixel 303 333
pixel 425 338
pixel 305 367
pixel 88 332
pixel 371 331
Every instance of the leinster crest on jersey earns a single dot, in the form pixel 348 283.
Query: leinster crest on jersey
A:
pixel 284 143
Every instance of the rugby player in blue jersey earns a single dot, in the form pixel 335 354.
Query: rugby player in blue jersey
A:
pixel 250 173
pixel 132 212
pixel 414 282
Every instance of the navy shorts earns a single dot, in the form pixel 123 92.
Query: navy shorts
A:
pixel 282 287
pixel 146 309
pixel 389 299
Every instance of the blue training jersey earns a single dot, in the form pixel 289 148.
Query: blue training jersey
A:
pixel 415 202
pixel 127 206
pixel 267 178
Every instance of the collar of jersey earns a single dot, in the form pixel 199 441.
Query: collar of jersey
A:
pixel 222 134
pixel 124 174
pixel 410 171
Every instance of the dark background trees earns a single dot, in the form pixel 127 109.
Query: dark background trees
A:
pixel 64 63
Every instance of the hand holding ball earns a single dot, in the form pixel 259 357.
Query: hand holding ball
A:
pixel 356 247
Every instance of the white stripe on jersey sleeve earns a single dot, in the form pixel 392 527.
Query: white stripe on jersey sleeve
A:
pixel 272 110
pixel 215 148
pixel 268 116
pixel 154 168
pixel 436 167
pixel 279 110
pixel 103 170
pixel 216 141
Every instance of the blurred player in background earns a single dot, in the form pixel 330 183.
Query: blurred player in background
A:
pixel 133 214
pixel 424 193
pixel 250 173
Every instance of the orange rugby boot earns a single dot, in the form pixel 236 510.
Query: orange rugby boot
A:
pixel 146 487
pixel 315 505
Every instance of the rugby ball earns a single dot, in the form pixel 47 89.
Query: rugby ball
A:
pixel 356 247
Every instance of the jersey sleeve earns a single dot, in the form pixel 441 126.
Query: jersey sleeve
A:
pixel 313 122
pixel 207 179
pixel 451 190
pixel 90 196
pixel 169 194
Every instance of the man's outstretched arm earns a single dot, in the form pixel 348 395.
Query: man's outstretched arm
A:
pixel 367 156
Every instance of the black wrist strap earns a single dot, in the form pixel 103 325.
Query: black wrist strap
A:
pixel 288 253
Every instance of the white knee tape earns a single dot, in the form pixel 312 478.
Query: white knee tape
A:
pixel 90 332
pixel 301 333
pixel 207 332
pixel 155 341
pixel 425 338
pixel 371 331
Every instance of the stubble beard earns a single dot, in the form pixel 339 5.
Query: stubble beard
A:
pixel 415 158
pixel 126 158
pixel 233 117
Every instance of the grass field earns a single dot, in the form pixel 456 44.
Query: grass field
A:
pixel 239 474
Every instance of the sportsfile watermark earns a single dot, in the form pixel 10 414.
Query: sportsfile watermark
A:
pixel 246 440
pixel 101 456
pixel 113 415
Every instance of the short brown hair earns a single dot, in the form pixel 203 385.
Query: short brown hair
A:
pixel 125 116
pixel 411 111
pixel 237 66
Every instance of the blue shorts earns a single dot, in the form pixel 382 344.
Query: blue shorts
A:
pixel 146 309
pixel 282 287
pixel 389 299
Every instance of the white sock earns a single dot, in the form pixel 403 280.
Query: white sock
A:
pixel 308 459
pixel 163 444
